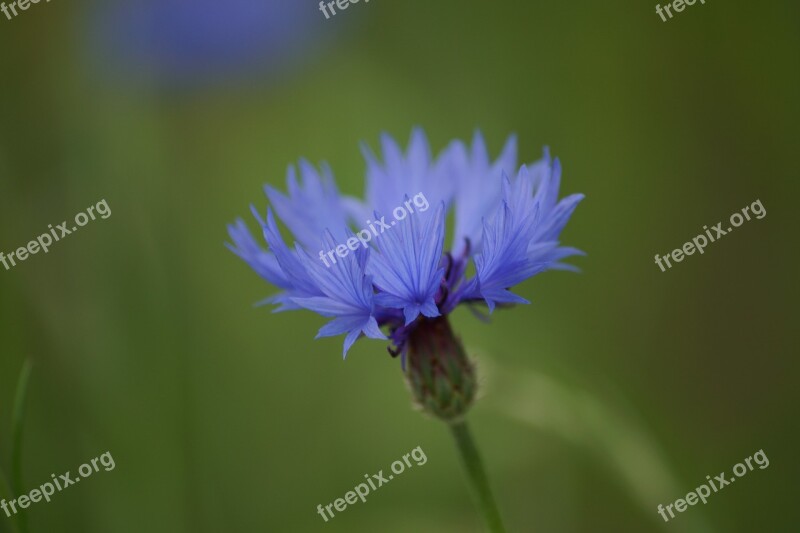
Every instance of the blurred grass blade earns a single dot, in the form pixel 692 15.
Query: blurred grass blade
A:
pixel 18 416
pixel 16 426
pixel 6 494
pixel 606 430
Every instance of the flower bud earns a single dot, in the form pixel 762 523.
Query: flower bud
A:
pixel 441 378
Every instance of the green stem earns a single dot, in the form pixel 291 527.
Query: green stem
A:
pixel 471 460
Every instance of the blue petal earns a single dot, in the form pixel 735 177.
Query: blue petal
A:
pixel 479 187
pixel 310 208
pixel 502 296
pixel 402 174
pixel 354 327
pixel 263 262
pixel 299 283
pixel 406 269
pixel 521 240
pixel 348 293
pixel 504 262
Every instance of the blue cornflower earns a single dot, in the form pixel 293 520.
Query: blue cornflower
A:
pixel 400 275
pixel 203 42
pixel 508 227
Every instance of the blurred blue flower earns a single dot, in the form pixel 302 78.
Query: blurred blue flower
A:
pixel 177 41
pixel 508 227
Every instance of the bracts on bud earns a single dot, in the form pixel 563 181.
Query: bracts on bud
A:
pixel 441 378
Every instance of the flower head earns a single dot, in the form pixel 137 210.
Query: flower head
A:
pixel 397 274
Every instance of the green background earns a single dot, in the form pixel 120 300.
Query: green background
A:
pixel 618 389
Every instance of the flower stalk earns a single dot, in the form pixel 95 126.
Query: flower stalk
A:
pixel 479 483
pixel 443 383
